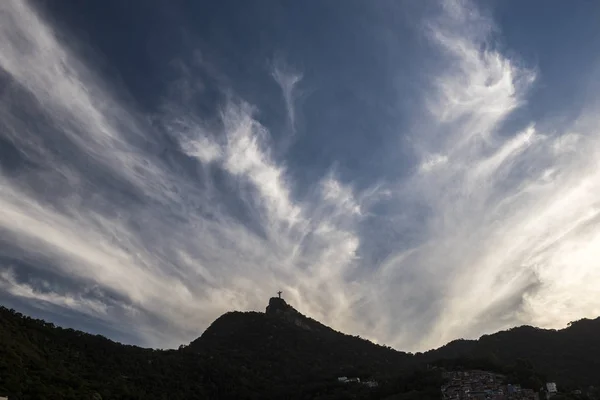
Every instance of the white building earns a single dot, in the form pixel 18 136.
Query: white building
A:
pixel 551 387
pixel 345 379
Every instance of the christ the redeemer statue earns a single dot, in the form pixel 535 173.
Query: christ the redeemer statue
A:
pixel 279 293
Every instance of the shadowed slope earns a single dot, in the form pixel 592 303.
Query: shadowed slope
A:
pixel 282 339
pixel 570 355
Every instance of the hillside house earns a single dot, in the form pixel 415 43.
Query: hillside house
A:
pixel 345 379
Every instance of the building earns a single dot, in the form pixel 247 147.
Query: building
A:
pixel 345 379
pixel 550 389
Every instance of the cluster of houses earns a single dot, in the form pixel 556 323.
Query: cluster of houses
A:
pixel 369 383
pixel 483 385
pixel 475 385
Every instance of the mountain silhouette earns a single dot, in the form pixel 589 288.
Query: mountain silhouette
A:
pixel 274 355
pixel 284 340
pixel 570 355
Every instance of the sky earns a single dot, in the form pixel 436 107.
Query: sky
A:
pixel 410 172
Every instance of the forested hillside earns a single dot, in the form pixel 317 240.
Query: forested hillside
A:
pixel 570 356
pixel 273 355
pixel 241 356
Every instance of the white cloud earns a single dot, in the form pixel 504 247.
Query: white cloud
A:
pixel 11 285
pixel 433 161
pixel 509 218
pixel 341 196
pixel 202 149
pixel 479 86
pixel 288 81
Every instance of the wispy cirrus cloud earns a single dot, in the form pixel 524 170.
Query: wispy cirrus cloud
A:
pixel 288 81
pixel 502 221
pixel 172 244
pixel 499 205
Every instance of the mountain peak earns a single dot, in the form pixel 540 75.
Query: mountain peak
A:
pixel 278 305
pixel 279 308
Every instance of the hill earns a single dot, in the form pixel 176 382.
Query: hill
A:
pixel 570 356
pixel 40 361
pixel 296 346
pixel 277 354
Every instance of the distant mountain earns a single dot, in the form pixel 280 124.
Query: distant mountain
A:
pixel 279 354
pixel 570 356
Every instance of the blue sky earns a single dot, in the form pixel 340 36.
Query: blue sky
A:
pixel 412 172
